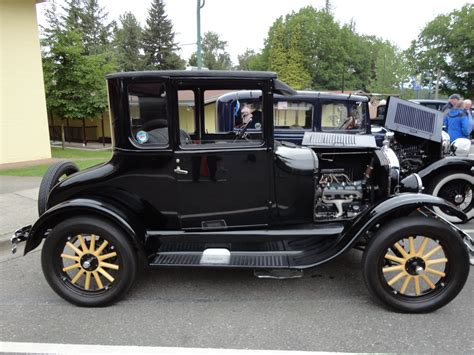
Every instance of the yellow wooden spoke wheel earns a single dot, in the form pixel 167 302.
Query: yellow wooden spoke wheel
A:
pixel 415 264
pixel 89 261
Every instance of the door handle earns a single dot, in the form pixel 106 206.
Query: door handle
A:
pixel 180 171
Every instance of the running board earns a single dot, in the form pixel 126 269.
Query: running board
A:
pixel 220 257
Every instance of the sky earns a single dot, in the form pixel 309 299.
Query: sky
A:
pixel 245 23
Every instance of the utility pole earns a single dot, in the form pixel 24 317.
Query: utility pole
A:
pixel 199 49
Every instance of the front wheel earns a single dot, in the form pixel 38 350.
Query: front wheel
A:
pixel 415 264
pixel 88 261
pixel 456 188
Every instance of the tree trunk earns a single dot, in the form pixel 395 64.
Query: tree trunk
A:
pixel 62 135
pixel 68 131
pixel 84 140
pixel 50 115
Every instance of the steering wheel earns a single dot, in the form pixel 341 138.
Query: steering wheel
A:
pixel 348 124
pixel 242 130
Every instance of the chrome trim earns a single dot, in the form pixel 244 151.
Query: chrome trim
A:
pixel 420 182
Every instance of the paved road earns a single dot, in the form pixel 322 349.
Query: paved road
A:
pixel 327 310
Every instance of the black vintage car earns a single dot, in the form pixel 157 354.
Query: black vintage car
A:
pixel 416 135
pixel 176 193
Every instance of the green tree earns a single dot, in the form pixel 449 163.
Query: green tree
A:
pixel 319 43
pixel 128 40
pixel 74 79
pixel 389 69
pixel 444 48
pixel 286 58
pixel 159 45
pixel 87 17
pixel 250 60
pixel 356 66
pixel 214 54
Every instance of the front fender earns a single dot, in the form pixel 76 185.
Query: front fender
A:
pixel 387 210
pixel 451 163
pixel 397 206
pixel 123 218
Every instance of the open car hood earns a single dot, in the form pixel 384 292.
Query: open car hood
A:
pixel 413 119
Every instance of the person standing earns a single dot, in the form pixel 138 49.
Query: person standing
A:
pixel 467 108
pixel 452 102
pixel 456 122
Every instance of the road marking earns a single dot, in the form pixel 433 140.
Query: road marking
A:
pixel 36 348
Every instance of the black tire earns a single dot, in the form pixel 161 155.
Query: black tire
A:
pixel 51 178
pixel 410 297
pixel 450 185
pixel 121 267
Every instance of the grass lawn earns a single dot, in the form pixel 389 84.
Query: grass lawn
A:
pixel 83 158
pixel 79 154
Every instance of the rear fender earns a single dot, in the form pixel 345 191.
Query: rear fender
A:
pixel 123 218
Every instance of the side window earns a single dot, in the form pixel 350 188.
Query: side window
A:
pixel 187 111
pixel 333 116
pixel 343 116
pixel 296 115
pixel 226 117
pixel 148 113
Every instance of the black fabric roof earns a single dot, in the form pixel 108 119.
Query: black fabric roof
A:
pixel 224 74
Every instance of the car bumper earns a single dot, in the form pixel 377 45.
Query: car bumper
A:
pixel 20 236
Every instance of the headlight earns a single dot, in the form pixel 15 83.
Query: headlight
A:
pixel 412 183
pixel 445 142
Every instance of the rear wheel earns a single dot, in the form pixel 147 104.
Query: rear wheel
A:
pixel 415 264
pixel 88 261
pixel 456 188
pixel 53 175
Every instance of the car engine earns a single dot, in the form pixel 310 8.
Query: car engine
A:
pixel 412 157
pixel 415 153
pixel 337 196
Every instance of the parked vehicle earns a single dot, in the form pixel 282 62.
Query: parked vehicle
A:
pixel 435 104
pixel 178 194
pixel 421 146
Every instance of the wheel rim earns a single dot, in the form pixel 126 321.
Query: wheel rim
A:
pixel 89 263
pixel 415 266
pixel 458 192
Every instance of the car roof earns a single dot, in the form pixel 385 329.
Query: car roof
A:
pixel 331 95
pixel 299 95
pixel 217 74
pixel 427 101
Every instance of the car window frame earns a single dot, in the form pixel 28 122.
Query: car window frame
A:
pixel 220 84
pixel 319 126
pixel 131 138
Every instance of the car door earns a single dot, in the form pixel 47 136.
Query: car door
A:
pixel 222 182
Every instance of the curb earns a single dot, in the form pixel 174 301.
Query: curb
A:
pixel 5 241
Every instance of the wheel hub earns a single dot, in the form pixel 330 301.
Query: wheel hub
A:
pixel 89 262
pixel 415 266
pixel 459 199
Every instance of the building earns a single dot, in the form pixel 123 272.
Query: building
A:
pixel 23 118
